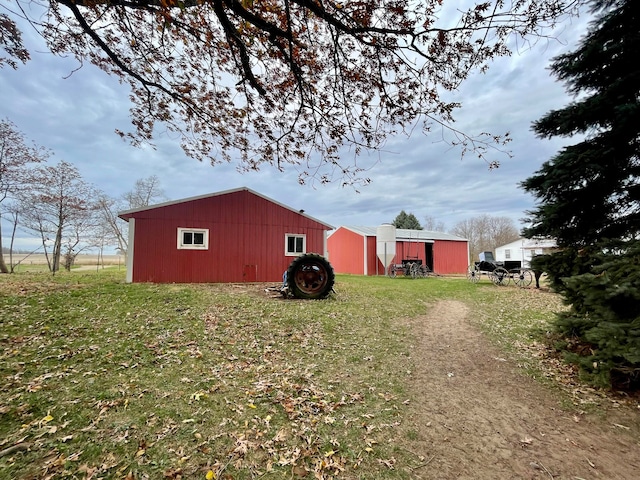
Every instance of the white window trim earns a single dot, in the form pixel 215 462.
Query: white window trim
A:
pixel 287 236
pixel 204 246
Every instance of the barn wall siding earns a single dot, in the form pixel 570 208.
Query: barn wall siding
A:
pixel 450 257
pixel 346 251
pixel 246 240
pixel 408 250
pixel 374 265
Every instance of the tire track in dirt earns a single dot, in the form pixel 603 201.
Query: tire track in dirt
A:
pixel 474 415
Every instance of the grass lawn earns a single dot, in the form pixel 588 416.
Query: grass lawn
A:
pixel 103 379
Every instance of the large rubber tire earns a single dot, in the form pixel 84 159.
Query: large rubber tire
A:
pixel 310 276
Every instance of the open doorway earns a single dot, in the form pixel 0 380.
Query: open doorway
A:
pixel 428 255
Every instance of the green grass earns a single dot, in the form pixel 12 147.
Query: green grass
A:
pixel 105 379
pixel 31 268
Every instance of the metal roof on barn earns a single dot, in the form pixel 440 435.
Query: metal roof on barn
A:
pixel 129 213
pixel 407 234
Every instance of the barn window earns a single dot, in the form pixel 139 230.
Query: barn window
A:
pixel 193 239
pixel 295 244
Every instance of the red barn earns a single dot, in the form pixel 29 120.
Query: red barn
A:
pixel 232 236
pixel 353 250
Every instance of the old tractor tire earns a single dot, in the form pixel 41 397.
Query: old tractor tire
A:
pixel 310 276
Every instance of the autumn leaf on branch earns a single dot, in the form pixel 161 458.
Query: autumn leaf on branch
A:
pixel 302 83
pixel 11 42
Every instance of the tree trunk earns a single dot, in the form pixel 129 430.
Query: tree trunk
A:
pixel 3 265
pixel 57 250
pixel 13 238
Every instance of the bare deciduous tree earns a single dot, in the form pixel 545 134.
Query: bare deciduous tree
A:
pixel 485 233
pixel 60 205
pixel 16 160
pixel 114 231
pixel 145 192
pixel 433 225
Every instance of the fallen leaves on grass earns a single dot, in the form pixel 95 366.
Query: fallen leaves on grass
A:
pixel 246 387
pixel 521 320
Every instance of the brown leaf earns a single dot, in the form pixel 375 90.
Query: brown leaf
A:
pixel 173 473
pixel 526 440
pixel 300 471
pixel 88 471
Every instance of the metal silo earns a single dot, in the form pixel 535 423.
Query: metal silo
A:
pixel 386 244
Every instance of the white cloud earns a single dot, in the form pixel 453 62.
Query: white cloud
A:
pixel 76 117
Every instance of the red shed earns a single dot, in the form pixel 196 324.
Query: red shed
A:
pixel 232 236
pixel 353 250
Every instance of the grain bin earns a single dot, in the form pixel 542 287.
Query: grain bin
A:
pixel 386 244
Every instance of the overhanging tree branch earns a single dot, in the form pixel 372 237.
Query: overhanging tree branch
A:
pixel 289 82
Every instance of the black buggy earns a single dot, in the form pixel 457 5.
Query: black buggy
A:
pixel 500 273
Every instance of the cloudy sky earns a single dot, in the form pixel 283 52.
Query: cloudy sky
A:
pixel 74 114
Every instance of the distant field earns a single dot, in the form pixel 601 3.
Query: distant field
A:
pixel 40 259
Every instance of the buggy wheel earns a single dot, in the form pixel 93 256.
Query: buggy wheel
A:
pixel 414 270
pixel 523 278
pixel 310 276
pixel 500 276
pixel 392 271
pixel 473 274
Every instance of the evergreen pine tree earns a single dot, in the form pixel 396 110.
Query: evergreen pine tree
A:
pixel 589 197
pixel 407 220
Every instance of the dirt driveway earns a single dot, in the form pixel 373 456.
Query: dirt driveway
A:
pixel 475 415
